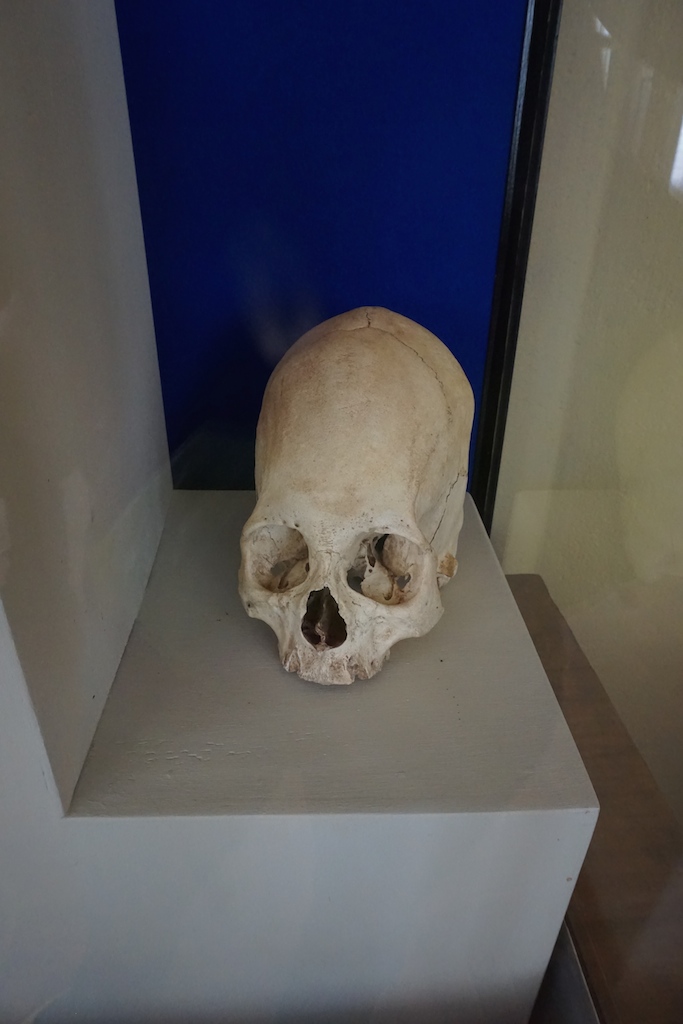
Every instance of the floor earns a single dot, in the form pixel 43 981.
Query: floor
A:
pixel 626 914
pixel 564 997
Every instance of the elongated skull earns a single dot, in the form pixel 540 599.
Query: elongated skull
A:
pixel 361 470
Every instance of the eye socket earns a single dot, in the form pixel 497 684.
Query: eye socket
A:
pixel 279 558
pixel 386 568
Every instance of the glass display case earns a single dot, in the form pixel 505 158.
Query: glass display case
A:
pixel 589 511
pixel 184 828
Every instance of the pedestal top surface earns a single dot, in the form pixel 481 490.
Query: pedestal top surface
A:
pixel 203 719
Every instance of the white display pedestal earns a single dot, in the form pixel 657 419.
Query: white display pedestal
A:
pixel 403 847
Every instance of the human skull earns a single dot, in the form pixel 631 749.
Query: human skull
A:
pixel 361 471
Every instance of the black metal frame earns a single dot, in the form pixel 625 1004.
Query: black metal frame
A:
pixel 538 55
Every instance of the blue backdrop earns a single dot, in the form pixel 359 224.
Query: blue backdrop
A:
pixel 297 158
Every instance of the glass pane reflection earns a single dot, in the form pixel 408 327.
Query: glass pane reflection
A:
pixel 591 489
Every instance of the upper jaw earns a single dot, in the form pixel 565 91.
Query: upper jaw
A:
pixel 330 667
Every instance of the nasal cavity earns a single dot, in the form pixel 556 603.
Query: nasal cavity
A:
pixel 322 625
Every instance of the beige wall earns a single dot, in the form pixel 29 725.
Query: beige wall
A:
pixel 591 486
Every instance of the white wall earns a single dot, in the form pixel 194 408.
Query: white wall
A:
pixel 79 381
pixel 591 485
